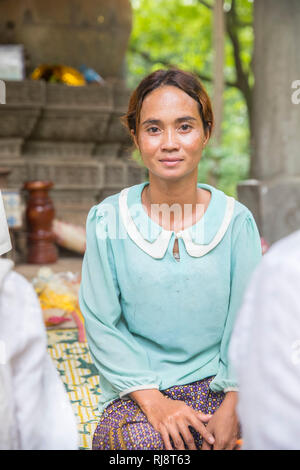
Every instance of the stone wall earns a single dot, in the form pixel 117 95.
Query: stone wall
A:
pixel 69 135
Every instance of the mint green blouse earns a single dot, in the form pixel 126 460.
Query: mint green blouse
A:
pixel 153 321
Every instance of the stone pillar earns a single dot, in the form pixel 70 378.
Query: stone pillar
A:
pixel 273 192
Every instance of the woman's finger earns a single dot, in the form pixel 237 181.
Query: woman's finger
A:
pixel 231 444
pixel 202 416
pixel 177 439
pixel 187 436
pixel 219 444
pixel 205 445
pixel 199 426
pixel 166 438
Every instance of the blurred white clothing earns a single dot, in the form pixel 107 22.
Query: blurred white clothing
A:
pixel 35 412
pixel 35 400
pixel 265 351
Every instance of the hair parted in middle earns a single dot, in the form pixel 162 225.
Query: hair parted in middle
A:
pixel 186 81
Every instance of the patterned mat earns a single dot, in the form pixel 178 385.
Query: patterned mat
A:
pixel 73 361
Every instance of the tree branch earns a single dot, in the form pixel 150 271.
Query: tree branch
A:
pixel 244 24
pixel 242 77
pixel 167 63
pixel 204 3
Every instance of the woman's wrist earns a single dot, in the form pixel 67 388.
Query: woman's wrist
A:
pixel 145 398
pixel 231 397
pixel 230 401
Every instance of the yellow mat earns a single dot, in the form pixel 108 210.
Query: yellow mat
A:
pixel 79 374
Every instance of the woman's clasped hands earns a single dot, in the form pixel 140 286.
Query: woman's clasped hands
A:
pixel 172 418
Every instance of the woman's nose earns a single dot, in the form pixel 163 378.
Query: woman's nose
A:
pixel 169 140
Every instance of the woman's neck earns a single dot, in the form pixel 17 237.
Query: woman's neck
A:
pixel 173 192
pixel 189 203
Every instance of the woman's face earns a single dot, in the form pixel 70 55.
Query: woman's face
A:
pixel 170 133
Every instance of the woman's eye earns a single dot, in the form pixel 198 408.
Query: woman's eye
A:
pixel 185 127
pixel 152 129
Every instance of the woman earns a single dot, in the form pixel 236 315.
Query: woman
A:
pixel 161 288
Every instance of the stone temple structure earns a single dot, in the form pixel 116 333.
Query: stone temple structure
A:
pixel 69 32
pixel 69 135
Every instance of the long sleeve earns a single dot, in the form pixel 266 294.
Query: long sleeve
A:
pixel 246 254
pixel 121 361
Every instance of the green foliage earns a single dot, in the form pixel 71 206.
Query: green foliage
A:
pixel 179 32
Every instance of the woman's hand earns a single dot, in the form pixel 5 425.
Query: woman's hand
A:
pixel 224 425
pixel 172 418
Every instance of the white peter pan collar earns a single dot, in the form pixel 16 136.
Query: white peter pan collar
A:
pixel 156 243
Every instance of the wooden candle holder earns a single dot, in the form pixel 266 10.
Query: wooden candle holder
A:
pixel 39 217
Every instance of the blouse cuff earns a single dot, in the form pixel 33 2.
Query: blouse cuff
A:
pixel 124 394
pixel 231 389
pixel 223 384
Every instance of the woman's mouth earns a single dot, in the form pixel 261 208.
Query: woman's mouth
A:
pixel 171 161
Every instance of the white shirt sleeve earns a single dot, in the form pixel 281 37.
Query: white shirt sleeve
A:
pixel 265 351
pixel 43 415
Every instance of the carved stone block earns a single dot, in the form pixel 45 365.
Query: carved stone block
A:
pixel 115 174
pixel 25 93
pixel 97 97
pixel 18 173
pixel 81 175
pixel 17 121
pixel 58 150
pixel 10 148
pixel 75 125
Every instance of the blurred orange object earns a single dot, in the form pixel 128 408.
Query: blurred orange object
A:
pixel 59 73
pixel 238 444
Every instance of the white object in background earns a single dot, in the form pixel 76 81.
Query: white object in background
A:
pixel 13 207
pixel 5 242
pixel 70 236
pixel 12 62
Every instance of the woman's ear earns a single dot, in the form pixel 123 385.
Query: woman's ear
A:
pixel 206 139
pixel 207 134
pixel 134 139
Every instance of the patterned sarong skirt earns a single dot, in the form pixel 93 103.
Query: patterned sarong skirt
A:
pixel 123 426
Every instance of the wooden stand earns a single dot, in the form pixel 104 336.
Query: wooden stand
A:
pixel 39 217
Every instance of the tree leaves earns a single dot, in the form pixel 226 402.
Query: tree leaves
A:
pixel 179 32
